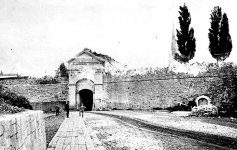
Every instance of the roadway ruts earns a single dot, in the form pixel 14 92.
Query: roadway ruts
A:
pixel 221 141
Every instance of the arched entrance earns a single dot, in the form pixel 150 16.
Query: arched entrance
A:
pixel 85 90
pixel 203 100
pixel 86 97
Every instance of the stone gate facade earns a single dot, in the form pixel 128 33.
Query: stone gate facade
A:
pixel 86 76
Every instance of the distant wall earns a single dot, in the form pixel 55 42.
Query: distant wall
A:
pixel 48 106
pixel 141 92
pixel 35 92
pixel 23 131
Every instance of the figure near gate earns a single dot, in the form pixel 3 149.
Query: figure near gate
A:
pixel 67 109
pixel 81 110
pixel 57 109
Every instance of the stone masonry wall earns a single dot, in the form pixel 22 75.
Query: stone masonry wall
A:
pixel 37 92
pixel 23 131
pixel 145 93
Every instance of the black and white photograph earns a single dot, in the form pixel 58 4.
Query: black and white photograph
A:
pixel 118 75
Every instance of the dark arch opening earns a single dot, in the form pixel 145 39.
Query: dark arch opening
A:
pixel 86 97
pixel 202 101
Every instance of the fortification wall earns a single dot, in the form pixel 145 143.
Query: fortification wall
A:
pixel 23 131
pixel 36 92
pixel 140 92
pixel 121 92
pixel 41 96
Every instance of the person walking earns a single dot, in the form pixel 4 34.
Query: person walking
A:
pixel 57 109
pixel 67 109
pixel 82 108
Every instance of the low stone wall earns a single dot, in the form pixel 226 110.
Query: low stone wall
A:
pixel 23 131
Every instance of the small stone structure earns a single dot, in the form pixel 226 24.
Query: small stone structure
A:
pixel 203 100
pixel 204 107
pixel 23 131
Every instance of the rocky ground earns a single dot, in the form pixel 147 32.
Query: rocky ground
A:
pixel 110 133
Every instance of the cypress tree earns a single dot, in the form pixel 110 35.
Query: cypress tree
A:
pixel 185 37
pixel 225 38
pixel 220 40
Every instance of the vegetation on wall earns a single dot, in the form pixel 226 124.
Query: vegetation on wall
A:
pixel 224 90
pixel 46 80
pixel 106 57
pixel 148 73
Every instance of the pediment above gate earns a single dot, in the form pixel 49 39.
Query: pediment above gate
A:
pixel 86 57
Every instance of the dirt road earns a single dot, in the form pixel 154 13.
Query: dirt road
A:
pixel 112 134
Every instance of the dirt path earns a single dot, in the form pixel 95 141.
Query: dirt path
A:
pixel 52 124
pixel 110 133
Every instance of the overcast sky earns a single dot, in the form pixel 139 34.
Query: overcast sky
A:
pixel 37 35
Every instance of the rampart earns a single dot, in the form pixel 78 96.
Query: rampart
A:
pixel 120 91
pixel 141 92
pixel 41 96
pixel 23 131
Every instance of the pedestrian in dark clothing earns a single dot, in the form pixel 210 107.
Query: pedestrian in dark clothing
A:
pixel 67 109
pixel 57 109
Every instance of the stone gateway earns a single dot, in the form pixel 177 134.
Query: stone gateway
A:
pixel 86 75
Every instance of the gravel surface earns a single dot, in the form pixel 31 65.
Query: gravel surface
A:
pixel 185 123
pixel 110 133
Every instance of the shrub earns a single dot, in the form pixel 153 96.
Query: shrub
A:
pixel 204 110
pixel 46 80
pixel 227 110
pixel 14 100
pixel 157 108
pixel 7 108
pixel 224 89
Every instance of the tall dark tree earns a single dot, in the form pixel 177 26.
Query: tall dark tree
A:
pixel 220 40
pixel 225 38
pixel 185 37
pixel 63 70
